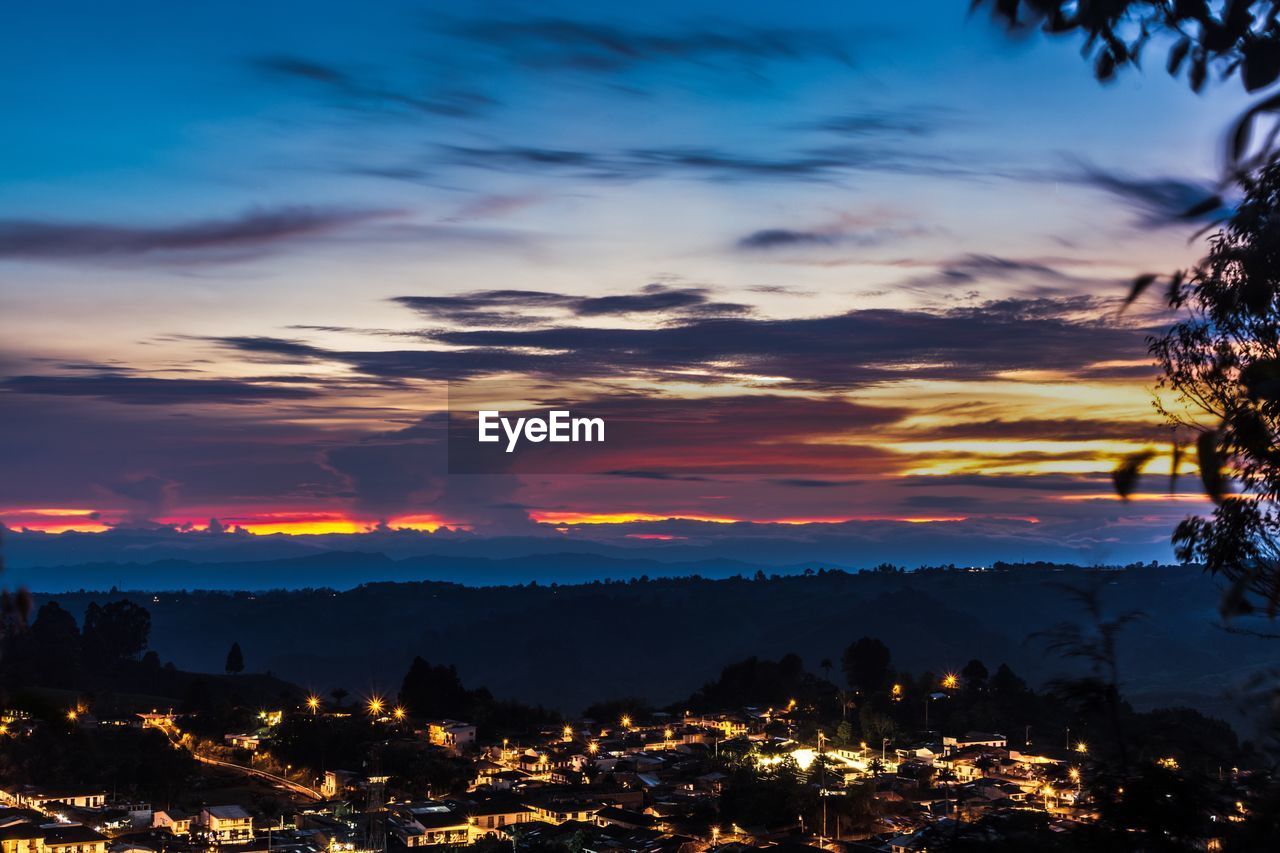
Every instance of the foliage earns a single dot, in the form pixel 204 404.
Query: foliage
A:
pixel 235 660
pixel 866 665
pixel 115 631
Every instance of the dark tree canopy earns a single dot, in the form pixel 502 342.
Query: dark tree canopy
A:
pixel 974 675
pixel 866 665
pixel 235 660
pixel 116 631
pixel 1222 360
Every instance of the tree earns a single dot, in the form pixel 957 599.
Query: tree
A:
pixel 235 660
pixel 1006 681
pixel 49 652
pixel 116 631
pixel 974 675
pixel 434 691
pixel 866 665
pixel 1226 37
pixel 1222 360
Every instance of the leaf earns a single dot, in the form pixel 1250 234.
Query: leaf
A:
pixel 1140 284
pixel 1174 293
pixel 1261 379
pixel 1202 207
pixel 1177 54
pixel 1104 67
pixel 1234 602
pixel 1199 69
pixel 1242 131
pixel 1125 476
pixel 1261 65
pixel 1210 465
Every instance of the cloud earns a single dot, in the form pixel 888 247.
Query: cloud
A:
pixel 923 121
pixel 514 307
pixel 564 44
pixel 359 93
pixel 710 163
pixel 205 240
pixel 776 238
pixel 155 391
pixel 836 352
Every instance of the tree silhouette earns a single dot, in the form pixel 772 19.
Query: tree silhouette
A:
pixel 974 675
pixel 115 631
pixel 235 660
pixel 866 665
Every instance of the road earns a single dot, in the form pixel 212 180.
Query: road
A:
pixel 296 787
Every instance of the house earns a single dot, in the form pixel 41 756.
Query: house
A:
pixel 489 816
pixel 337 781
pixel 556 812
pixel 74 838
pixel 174 821
pixel 244 741
pixel 24 836
pixel 451 733
pixel 227 824
pixel 428 824
pixel 971 739
pixel 41 799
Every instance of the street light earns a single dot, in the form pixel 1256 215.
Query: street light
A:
pixel 950 680
pixel 1082 747
pixel 626 721
pixel 399 713
pixel 313 702
pixel 593 747
pixel 376 705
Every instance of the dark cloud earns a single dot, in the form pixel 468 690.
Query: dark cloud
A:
pixel 828 163
pixel 214 239
pixel 923 121
pixel 512 307
pixel 154 391
pixel 776 238
pixel 832 352
pixel 147 495
pixel 357 92
pixel 559 43
pixel 782 239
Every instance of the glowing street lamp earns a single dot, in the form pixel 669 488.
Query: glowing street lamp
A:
pixel 313 702
pixel 950 680
pixel 626 721
pixel 73 714
pixel 376 705
pixel 593 747
pixel 897 692
pixel 567 733
pixel 1082 747
pixel 399 713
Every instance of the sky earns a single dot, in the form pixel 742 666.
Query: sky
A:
pixel 830 270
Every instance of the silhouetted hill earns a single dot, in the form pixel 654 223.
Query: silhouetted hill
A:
pixel 568 645
pixel 346 569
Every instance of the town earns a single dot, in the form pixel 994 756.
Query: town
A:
pixel 871 759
